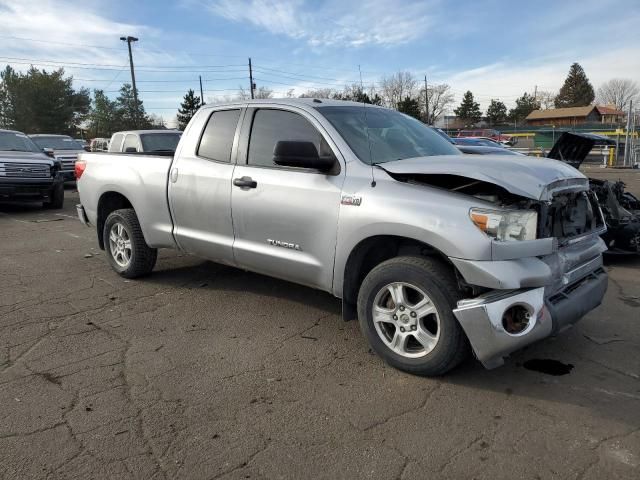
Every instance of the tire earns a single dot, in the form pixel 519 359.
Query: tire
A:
pixel 138 259
pixel 433 342
pixel 56 197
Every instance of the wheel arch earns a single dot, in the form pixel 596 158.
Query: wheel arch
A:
pixel 109 202
pixel 372 251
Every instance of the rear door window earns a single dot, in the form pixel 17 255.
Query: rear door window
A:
pixel 130 141
pixel 116 143
pixel 217 137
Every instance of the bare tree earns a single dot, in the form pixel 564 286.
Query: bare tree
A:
pixel 618 92
pixel 395 88
pixel 546 99
pixel 440 97
pixel 319 93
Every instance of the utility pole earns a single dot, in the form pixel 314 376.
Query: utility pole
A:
pixel 426 100
pixel 130 39
pixel 251 84
pixel 201 94
pixel 535 93
pixel 626 139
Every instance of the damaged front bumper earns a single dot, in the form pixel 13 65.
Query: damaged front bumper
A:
pixel 548 294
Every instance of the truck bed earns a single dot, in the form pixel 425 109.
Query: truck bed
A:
pixel 141 179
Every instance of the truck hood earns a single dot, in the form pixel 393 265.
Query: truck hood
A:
pixel 530 177
pixel 24 157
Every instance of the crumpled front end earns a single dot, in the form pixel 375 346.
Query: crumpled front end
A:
pixel 536 288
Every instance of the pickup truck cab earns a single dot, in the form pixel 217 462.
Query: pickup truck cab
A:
pixel 145 141
pixel 62 148
pixel 437 253
pixel 26 173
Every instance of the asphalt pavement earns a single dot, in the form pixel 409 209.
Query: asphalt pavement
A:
pixel 202 371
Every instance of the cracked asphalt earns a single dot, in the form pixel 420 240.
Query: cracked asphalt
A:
pixel 202 371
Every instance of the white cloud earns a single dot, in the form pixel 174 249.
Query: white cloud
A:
pixel 333 23
pixel 507 79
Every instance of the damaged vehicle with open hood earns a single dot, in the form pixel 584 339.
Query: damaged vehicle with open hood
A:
pixel 437 254
pixel 621 209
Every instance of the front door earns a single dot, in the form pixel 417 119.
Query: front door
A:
pixel 285 219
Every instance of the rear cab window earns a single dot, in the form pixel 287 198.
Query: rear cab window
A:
pixel 116 143
pixel 218 135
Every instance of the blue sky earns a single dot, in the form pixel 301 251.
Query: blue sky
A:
pixel 497 49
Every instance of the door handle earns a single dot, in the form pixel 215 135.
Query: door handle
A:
pixel 245 182
pixel 174 175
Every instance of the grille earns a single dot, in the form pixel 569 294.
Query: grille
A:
pixel 24 170
pixel 68 163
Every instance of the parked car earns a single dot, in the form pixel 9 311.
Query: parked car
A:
pixel 83 143
pixel 99 145
pixel 145 141
pixel 435 251
pixel 621 209
pixel 60 147
pixel 477 142
pixel 28 174
pixel 489 133
pixel 480 150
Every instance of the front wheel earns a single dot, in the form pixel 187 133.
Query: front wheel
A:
pixel 405 309
pixel 56 197
pixel 127 251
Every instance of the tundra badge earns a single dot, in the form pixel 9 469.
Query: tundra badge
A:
pixel 278 243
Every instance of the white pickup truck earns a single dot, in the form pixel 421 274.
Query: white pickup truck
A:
pixel 437 253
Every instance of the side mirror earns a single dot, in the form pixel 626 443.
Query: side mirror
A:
pixel 48 151
pixel 289 153
pixel 87 148
pixel 130 150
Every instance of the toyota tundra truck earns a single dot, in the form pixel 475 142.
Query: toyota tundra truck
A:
pixel 437 254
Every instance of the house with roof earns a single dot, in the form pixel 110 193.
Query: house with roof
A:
pixel 574 116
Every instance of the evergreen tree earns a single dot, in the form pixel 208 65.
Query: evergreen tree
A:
pixel 497 112
pixel 131 116
pixel 469 110
pixel 524 106
pixel 409 106
pixel 188 108
pixel 104 118
pixel 577 91
pixel 41 102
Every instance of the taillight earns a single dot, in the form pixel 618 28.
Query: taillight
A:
pixel 79 168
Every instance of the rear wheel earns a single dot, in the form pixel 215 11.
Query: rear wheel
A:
pixel 127 251
pixel 405 309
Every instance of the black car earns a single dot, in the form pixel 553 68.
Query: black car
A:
pixel 28 174
pixel 621 209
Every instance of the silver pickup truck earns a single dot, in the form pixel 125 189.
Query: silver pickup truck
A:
pixel 437 253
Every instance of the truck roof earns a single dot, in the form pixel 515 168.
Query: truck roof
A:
pixel 138 132
pixel 49 135
pixel 305 102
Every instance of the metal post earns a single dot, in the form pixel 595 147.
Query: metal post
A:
pixel 251 78
pixel 130 39
pixel 201 94
pixel 626 139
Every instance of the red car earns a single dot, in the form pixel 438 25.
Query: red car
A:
pixel 488 133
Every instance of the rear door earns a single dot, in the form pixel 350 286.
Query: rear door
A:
pixel 285 223
pixel 200 184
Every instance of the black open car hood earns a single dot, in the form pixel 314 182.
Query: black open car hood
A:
pixel 573 148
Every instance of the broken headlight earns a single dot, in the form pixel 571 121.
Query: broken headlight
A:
pixel 506 225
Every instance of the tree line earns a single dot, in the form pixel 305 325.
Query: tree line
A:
pixel 39 101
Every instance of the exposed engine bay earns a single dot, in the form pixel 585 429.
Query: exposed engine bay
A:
pixel 565 216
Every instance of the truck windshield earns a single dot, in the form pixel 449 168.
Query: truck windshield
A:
pixel 378 135
pixel 56 142
pixel 160 142
pixel 16 142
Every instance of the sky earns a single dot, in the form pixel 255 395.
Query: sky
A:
pixel 497 49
